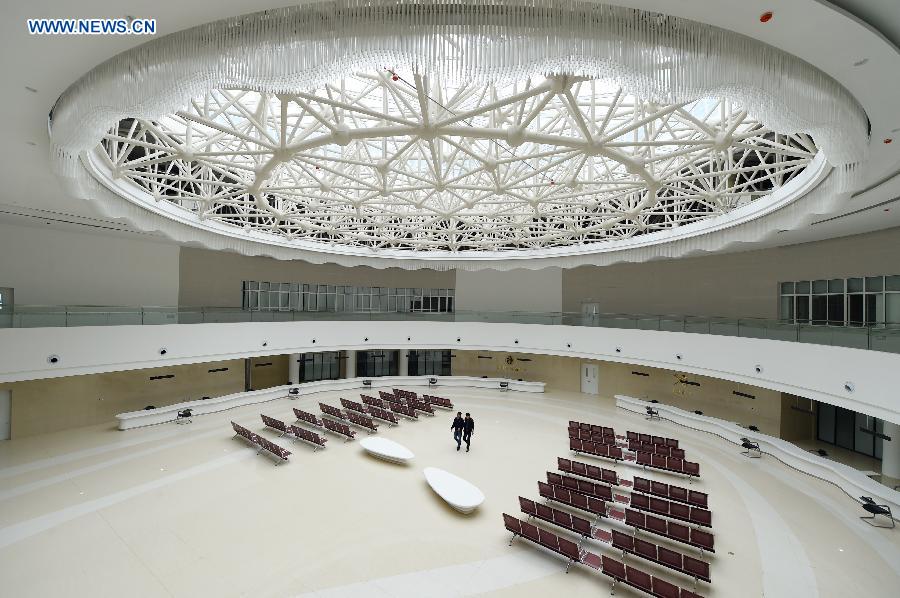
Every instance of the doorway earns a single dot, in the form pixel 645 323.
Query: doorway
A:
pixel 590 378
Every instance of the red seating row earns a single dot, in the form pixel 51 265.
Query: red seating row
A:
pixel 589 504
pixel 673 442
pixel 562 546
pixel 339 428
pixel 373 402
pixel 596 449
pixel 382 414
pixel 275 424
pixel 332 411
pixel 661 555
pixel 670 529
pixel 675 510
pixel 601 491
pixel 605 430
pixel 263 443
pixel 309 418
pixel 404 410
pixel 421 405
pixel 676 493
pixel 404 394
pixel 363 421
pixel 564 519
pixel 353 406
pixel 438 401
pixel 386 396
pixel 641 580
pixel 593 436
pixel 307 436
pixel 659 449
pixel 607 476
pixel 673 464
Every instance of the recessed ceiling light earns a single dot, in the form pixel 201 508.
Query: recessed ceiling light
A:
pixel 861 62
pixel 766 16
pixel 31 89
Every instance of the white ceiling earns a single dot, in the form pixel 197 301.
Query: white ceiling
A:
pixel 829 37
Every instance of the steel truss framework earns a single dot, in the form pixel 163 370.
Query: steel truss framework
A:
pixel 386 160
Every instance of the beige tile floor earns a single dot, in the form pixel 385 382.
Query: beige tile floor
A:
pixel 189 511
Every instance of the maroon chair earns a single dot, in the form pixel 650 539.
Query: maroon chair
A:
pixel 582 526
pixel 670 558
pixel 622 541
pixel 659 488
pixel 644 437
pixel 679 532
pixel 548 539
pixel 638 579
pixel 645 549
pixel 685 593
pixel 530 531
pixel 701 516
pixel 544 512
pixel 658 461
pixel 610 477
pixel 594 472
pixel 657 525
pixel 692 469
pixel 575 445
pixel 664 589
pixel 675 464
pixel 580 501
pixel 631 435
pixel 554 478
pixel 642 484
pixel 640 501
pixel 677 452
pixel 562 519
pixel 615 453
pixel 698 499
pixel 564 464
pixel 672 442
pixel 613 568
pixel 528 506
pixel 658 505
pixel 513 525
pixel 703 540
pixel 658 440
pixel 595 505
pixel 680 511
pixel 696 568
pixel 678 493
pixel 635 519
pixel 643 458
pixel 579 469
pixel 569 550
pixel 570 483
pixel 545 490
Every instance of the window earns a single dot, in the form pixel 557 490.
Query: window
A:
pixel 320 366
pixel 860 301
pixel 850 430
pixel 371 364
pixel 429 363
pixel 293 296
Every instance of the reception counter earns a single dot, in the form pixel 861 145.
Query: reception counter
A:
pixel 149 417
pixel 852 481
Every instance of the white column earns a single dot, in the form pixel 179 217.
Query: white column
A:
pixel 403 366
pixel 294 368
pixel 350 366
pixel 890 451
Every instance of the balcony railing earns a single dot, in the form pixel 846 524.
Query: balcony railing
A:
pixel 881 337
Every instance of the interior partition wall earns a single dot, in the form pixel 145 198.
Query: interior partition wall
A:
pixel 371 364
pixel 294 296
pixel 429 363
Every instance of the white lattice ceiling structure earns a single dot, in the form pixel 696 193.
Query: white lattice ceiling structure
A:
pixel 385 160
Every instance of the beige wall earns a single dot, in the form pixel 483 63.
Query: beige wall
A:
pixel 42 406
pixel 558 373
pixel 267 376
pixel 797 424
pixel 213 278
pixel 734 285
pixel 511 290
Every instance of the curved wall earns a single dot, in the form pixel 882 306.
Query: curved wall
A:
pixel 814 371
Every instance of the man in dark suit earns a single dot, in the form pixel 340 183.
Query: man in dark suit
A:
pixel 457 427
pixel 468 430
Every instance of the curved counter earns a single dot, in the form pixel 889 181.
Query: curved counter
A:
pixel 149 417
pixel 852 481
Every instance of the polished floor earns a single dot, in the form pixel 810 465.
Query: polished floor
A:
pixel 190 511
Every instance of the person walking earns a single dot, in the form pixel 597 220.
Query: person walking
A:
pixel 468 430
pixel 457 427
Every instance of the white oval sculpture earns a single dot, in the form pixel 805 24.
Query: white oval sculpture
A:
pixel 459 494
pixel 386 449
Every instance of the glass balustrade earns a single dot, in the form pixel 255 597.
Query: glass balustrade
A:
pixel 881 337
